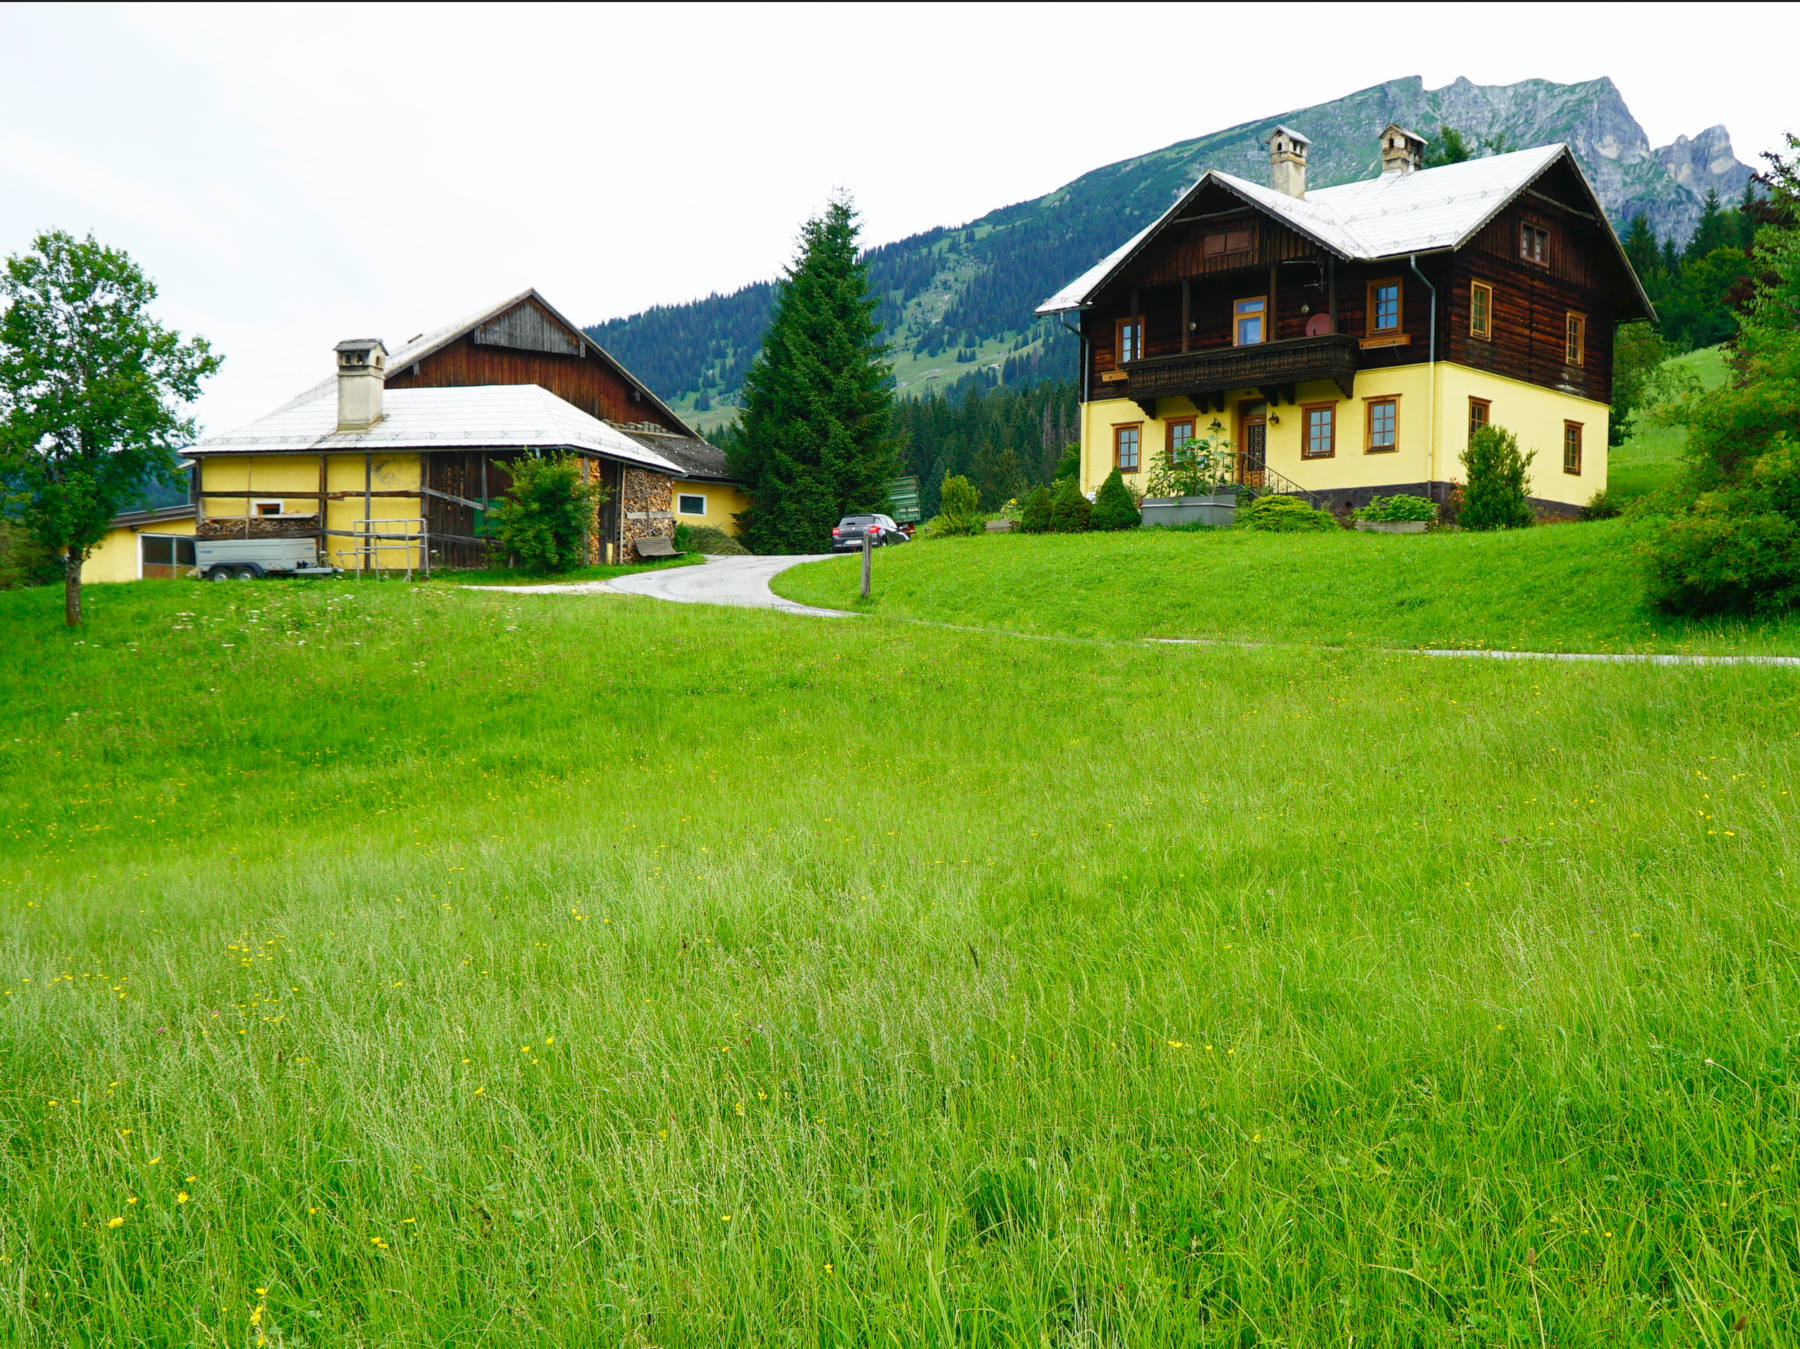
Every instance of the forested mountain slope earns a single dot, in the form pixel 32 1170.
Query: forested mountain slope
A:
pixel 959 300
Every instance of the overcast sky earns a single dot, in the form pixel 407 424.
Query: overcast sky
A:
pixel 294 176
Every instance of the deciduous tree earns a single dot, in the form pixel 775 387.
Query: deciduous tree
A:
pixel 91 394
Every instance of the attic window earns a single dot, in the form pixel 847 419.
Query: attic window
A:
pixel 1222 244
pixel 1534 244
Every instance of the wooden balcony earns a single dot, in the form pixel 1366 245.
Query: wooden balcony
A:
pixel 1271 368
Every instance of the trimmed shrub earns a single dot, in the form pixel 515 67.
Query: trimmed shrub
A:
pixel 1071 511
pixel 959 510
pixel 1494 495
pixel 1037 518
pixel 1284 515
pixel 1399 507
pixel 709 540
pixel 1113 506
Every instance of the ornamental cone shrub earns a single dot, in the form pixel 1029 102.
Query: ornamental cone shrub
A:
pixel 1494 496
pixel 1113 506
pixel 1071 510
pixel 1038 517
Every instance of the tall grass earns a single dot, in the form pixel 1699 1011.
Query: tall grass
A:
pixel 520 970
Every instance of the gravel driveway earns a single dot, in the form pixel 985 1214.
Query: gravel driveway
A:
pixel 739 581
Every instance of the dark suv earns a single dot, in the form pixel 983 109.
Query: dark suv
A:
pixel 848 533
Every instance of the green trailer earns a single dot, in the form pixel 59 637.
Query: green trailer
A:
pixel 903 496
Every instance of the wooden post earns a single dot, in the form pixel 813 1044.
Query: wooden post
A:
pixel 1331 288
pixel 1187 321
pixel 368 499
pixel 1272 333
pixel 424 514
pixel 1137 333
pixel 324 541
pixel 867 551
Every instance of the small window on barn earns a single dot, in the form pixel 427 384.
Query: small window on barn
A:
pixel 1384 307
pixel 265 508
pixel 1534 244
pixel 1481 310
pixel 690 504
pixel 1383 432
pixel 1572 447
pixel 1575 339
pixel 1321 431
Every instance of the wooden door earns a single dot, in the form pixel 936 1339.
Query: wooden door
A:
pixel 1253 443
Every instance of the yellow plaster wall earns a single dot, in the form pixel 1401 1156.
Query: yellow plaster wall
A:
pixel 1535 415
pixel 267 475
pixel 723 501
pixel 115 558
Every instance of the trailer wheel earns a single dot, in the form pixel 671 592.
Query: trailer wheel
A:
pixel 246 573
pixel 218 574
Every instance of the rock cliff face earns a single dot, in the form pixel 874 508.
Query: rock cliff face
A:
pixel 1630 177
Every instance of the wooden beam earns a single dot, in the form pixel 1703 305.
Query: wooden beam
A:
pixel 1187 321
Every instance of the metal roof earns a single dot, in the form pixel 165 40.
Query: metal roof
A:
pixel 418 348
pixel 1392 215
pixel 485 416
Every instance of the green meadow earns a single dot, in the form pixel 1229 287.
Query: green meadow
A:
pixel 1651 454
pixel 395 965
pixel 1572 587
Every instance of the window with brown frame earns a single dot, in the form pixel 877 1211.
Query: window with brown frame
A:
pixel 1381 433
pixel 1575 339
pixel 1128 340
pixel 1571 447
pixel 1480 413
pixel 1249 321
pixel 1180 430
pixel 1534 244
pixel 1383 317
pixel 1320 430
pixel 1127 441
pixel 1481 310
pixel 1222 242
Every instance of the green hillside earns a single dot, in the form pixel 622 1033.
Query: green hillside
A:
pixel 957 302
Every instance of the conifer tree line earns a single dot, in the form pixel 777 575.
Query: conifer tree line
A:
pixel 1005 441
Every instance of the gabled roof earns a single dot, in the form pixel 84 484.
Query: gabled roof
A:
pixel 418 348
pixel 699 460
pixel 1393 215
pixel 482 416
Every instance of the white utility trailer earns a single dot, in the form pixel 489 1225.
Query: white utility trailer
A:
pixel 247 559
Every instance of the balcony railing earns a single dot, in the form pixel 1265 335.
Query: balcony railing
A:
pixel 1271 368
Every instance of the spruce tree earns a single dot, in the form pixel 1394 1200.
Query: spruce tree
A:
pixel 1494 494
pixel 1113 506
pixel 817 400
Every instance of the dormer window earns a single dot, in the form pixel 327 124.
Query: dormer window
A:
pixel 1247 328
pixel 1534 244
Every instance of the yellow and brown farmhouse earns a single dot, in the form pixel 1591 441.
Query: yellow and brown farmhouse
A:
pixel 1348 341
pixel 395 460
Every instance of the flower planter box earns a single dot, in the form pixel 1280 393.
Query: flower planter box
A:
pixel 1392 526
pixel 1219 511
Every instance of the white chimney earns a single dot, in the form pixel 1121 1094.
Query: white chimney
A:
pixel 361 372
pixel 1401 151
pixel 1287 161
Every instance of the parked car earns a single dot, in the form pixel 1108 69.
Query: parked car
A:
pixel 247 559
pixel 848 533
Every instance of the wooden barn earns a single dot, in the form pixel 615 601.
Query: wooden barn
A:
pixel 1348 341
pixel 395 461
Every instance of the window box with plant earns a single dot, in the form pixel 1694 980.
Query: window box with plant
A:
pixel 1398 514
pixel 1191 483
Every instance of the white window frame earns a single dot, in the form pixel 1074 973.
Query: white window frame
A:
pixel 257 504
pixel 697 496
pixel 177 539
